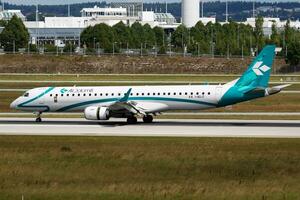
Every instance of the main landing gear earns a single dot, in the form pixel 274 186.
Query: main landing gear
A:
pixel 146 119
pixel 132 120
pixel 38 117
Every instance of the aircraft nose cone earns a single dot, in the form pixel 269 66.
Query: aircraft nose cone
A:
pixel 13 105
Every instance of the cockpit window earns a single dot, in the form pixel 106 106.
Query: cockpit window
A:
pixel 26 94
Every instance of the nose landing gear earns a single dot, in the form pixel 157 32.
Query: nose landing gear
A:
pixel 38 118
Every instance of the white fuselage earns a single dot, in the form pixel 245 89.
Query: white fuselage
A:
pixel 151 98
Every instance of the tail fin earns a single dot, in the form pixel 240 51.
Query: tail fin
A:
pixel 258 73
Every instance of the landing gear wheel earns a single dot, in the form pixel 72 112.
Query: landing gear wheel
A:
pixel 131 120
pixel 38 119
pixel 148 119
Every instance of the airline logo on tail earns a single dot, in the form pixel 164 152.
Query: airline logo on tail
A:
pixel 259 69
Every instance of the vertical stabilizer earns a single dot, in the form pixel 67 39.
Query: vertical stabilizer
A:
pixel 258 73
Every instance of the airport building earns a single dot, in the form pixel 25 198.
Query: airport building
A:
pixel 62 30
pixel 8 14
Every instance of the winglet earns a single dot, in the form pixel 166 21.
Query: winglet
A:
pixel 126 96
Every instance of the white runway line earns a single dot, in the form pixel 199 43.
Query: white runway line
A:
pixel 176 114
pixel 161 128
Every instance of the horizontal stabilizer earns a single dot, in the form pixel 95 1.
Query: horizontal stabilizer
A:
pixel 275 89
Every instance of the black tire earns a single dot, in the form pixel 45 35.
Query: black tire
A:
pixel 131 120
pixel 148 119
pixel 38 119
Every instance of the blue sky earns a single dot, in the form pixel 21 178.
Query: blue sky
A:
pixel 79 1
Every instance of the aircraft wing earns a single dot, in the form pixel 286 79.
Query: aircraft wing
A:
pixel 137 108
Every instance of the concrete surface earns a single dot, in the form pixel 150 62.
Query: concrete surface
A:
pixel 160 128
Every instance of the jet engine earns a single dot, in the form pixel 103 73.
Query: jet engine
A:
pixel 96 113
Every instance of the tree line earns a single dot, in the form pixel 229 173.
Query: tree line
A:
pixel 229 39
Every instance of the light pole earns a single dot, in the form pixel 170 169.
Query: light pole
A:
pixel 227 51
pixel 127 51
pixel 212 50
pixel 113 48
pixel 79 42
pixel 226 11
pixel 14 46
pixel 250 43
pixel 94 44
pixel 243 51
pixel 98 49
pixel 28 48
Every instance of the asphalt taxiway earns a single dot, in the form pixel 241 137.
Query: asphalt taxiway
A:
pixel 160 128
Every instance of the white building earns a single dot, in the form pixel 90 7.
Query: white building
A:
pixel 105 12
pixel 268 23
pixel 206 20
pixel 163 20
pixel 8 14
pixel 65 29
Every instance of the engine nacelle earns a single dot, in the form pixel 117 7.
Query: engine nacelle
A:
pixel 96 113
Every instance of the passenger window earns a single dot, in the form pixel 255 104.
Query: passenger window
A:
pixel 119 94
pixel 106 94
pixel 169 93
pixel 186 93
pixel 62 95
pixel 73 95
pixel 153 93
pixel 95 94
pixel 143 94
pixel 112 94
pixel 203 93
pixel 197 93
pixel 131 94
pixel 180 93
pixel 209 93
pixel 174 93
pixel 137 94
pixel 84 94
pixel 192 93
pixel 90 94
pixel 158 94
pixel 68 95
pixel 148 94
pixel 51 95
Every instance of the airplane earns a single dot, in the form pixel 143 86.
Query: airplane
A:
pixel 103 103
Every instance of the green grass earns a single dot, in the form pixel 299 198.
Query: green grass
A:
pixel 148 168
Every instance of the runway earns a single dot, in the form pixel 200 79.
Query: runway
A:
pixel 160 128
